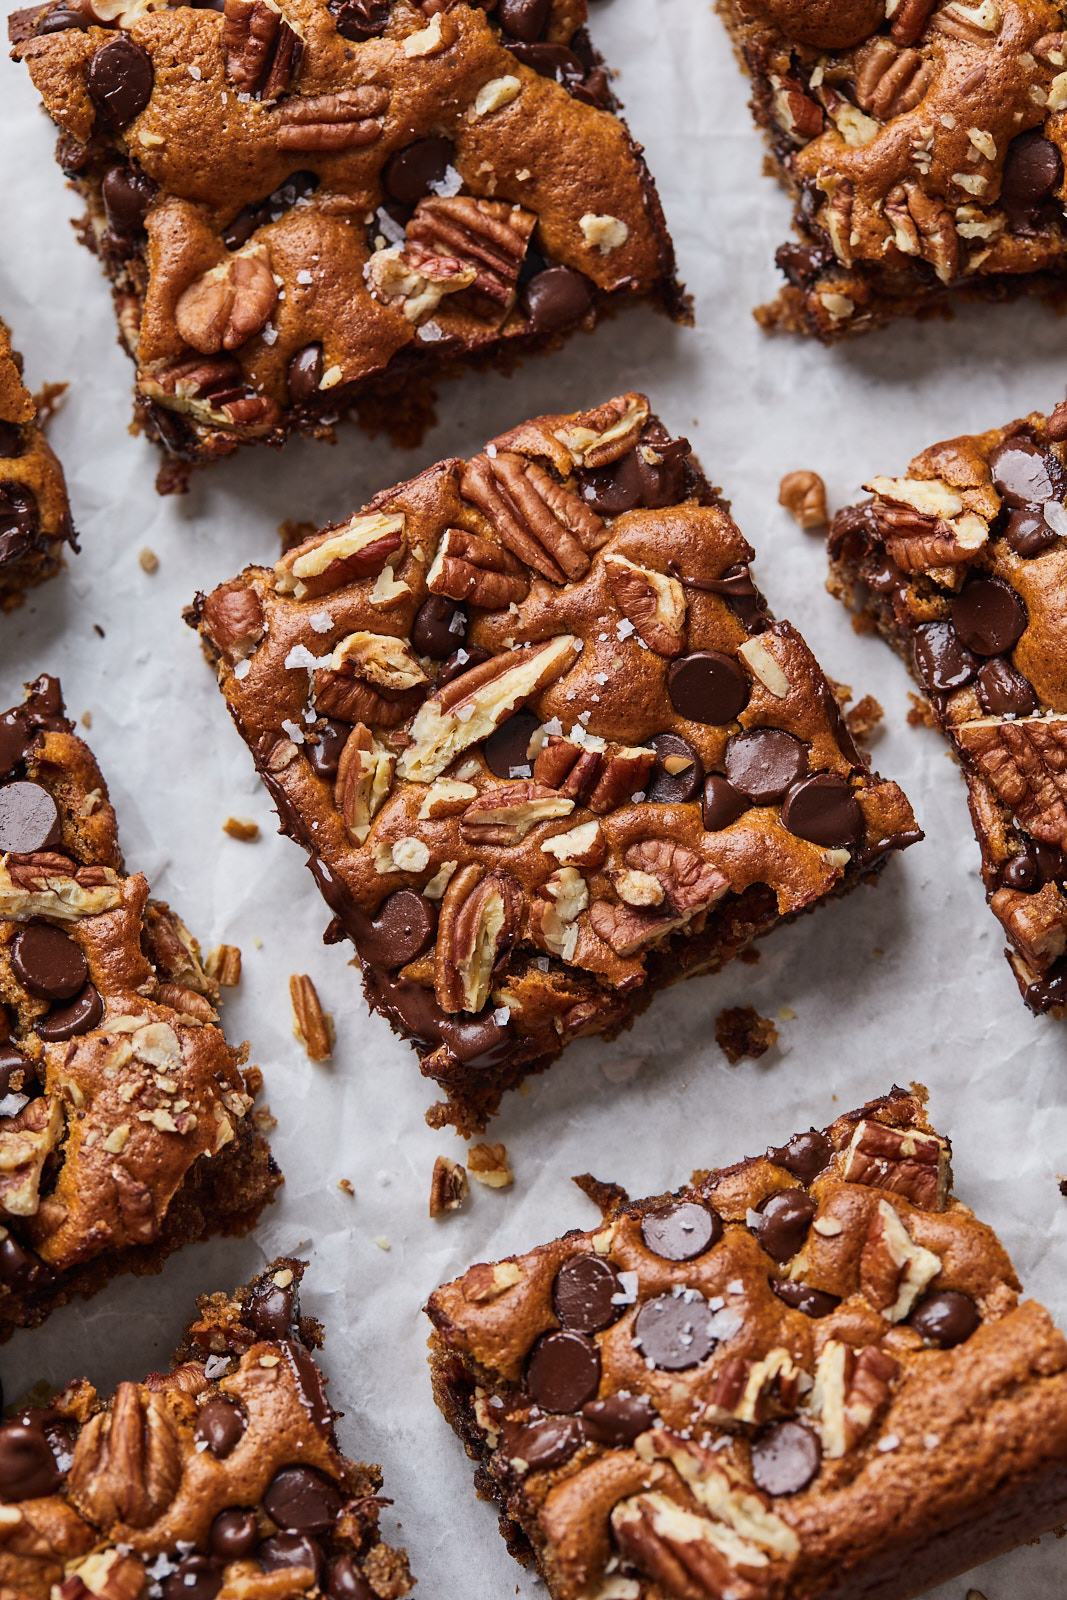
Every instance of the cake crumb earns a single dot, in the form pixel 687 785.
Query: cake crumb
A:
pixel 741 1032
pixel 864 717
pixel 750 955
pixel 241 828
pixel 345 1185
pixel 87 720
pixel 921 714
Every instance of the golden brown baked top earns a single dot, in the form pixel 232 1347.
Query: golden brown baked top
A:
pixel 221 1477
pixel 792 1367
pixel 34 513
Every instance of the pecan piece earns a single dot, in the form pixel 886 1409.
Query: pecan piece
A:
pixel 685 1553
pixel 901 1160
pixel 233 620
pixel 312 1026
pixel 544 524
pixel 731 1502
pixel 894 1270
pixel 505 813
pixel 262 51
pixel 127 1466
pixel 479 923
pixel 226 306
pixel 597 438
pixel 583 846
pixel 488 1164
pixel 919 544
pixel 754 1391
pixel 372 677
pixel 689 882
pixel 654 603
pixel 26 1141
pixel 1036 923
pixel 105 1575
pixel 600 779
pixel 211 389
pixel 468 567
pixel 889 81
pixel 554 911
pixel 415 280
pixel 490 235
pixel 364 779
pixel 803 494
pixel 49 886
pixel 925 227
pixel 796 114
pixel 448 1187
pixel 340 554
pixel 909 18
pixel 851 1388
pixel 340 121
pixel 627 931
pixel 487 1281
pixel 1025 763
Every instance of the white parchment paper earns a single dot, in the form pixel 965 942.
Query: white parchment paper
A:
pixel 905 981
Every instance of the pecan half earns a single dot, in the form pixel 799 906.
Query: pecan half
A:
pixel 211 389
pixel 689 882
pixel 599 779
pixel 226 306
pixel 608 432
pixel 901 1160
pixel 415 280
pixel 505 813
pixel 479 923
pixel 628 931
pixel 924 227
pixel 554 911
pixel 26 1141
pixel 340 554
pixel 919 543
pixel 796 114
pixel 1025 763
pixel 490 235
pixel 48 885
pixel 909 18
pixel 851 1388
pixel 894 1270
pixel 364 779
pixel 233 620
pixel 754 1391
pixel 803 494
pixel 373 678
pixel 683 1552
pixel 340 121
pixel 889 81
pixel 654 603
pixel 468 567
pixel 1037 923
pixel 126 1467
pixel 262 51
pixel 545 525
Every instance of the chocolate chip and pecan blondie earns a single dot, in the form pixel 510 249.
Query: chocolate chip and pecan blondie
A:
pixel 221 1477
pixel 311 209
pixel 544 745
pixel 804 1376
pixel 35 519
pixel 923 141
pixel 125 1120
pixel 962 566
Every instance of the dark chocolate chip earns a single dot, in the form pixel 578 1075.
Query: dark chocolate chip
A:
pixel 18 1074
pixel 506 748
pixel 305 372
pixel 409 174
pixel 1003 691
pixel 16 736
pixel 616 488
pixel 440 627
pixel 765 763
pixel 360 19
pixel 29 818
pixel 563 1371
pixel 290 1550
pixel 1049 991
pixel 824 811
pixel 270 1310
pixel 582 1294
pixel 619 1419
pixel 673 1331
pixel 802 1297
pixel 195 1577
pixel 120 81
pixel 945 1318
pixel 18 522
pixel 682 1231
pixel 1025 474
pixel 301 1500
pixel 325 753
pixel 311 1384
pixel 674 788
pixel 59 19
pixel 1036 865
pixel 805 1156
pixel 234 1533
pixel 784 1220
pixel 556 297
pixel 785 1458
pixel 988 616
pixel 21 1270
pixel 708 686
pixel 346 1583
pixel 127 193
pixel 220 1425
pixel 403 930
pixel 28 1467
pixel 1027 532
pixel 723 803
pixel 524 19
pixel 802 263
pixel 544 1444
pixel 942 660
pixel 1033 169
pixel 462 661
pixel 79 1016
pixel 48 962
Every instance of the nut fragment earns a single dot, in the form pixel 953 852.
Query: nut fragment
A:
pixel 371 678
pixel 479 923
pixel 26 1141
pixel 684 1554
pixel 224 965
pixel 583 846
pixel 448 1187
pixel 804 496
pixel 546 525
pixel 341 121
pixel 489 1164
pixel 605 434
pixel 312 1026
pixel 364 779
pixel 340 555
pixel 654 603
pixel 554 910
pixel 894 1270
pixel 689 882
pixel 127 1466
pixel 233 620
pixel 226 306
pixel 488 1281
pixel 754 1391
pixel 241 828
pixel 415 280
pixel 262 51
pixel 505 814
pixel 903 1161
pixel 1037 922
pixel 851 1388
pixel 490 235
pixel 1025 762
pixel 468 567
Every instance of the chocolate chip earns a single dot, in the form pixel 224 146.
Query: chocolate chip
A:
pixel 29 818
pixel 120 81
pixel 582 1294
pixel 765 763
pixel 556 297
pixel 682 1231
pixel 723 803
pixel 234 1533
pixel 48 962
pixel 270 1310
pixel 619 1419
pixel 1027 532
pixel 784 1220
pixel 506 748
pixel 1034 866
pixel 673 1331
pixel 785 1458
pixel 563 1371
pixel 27 1464
pixel 18 1074
pixel 82 1014
pixel 1033 169
pixel 301 1500
pixel 220 1425
pixel 195 1577
pixel 1025 474
pixel 665 787
pixel 524 19
pixel 409 174
pixel 988 616
pixel 463 660
pixel 127 193
pixel 614 489
pixel 21 1270
pixel 325 753
pixel 272 209
pixel 59 19
pixel 805 1156
pixel 360 19
pixel 1004 692
pixel 290 1550
pixel 945 1318
pixel 346 1583
pixel 824 811
pixel 305 374
pixel 942 660
pixel 708 686
pixel 16 737
pixel 403 930
pixel 440 627
pixel 544 1444
pixel 18 522
pixel 802 1297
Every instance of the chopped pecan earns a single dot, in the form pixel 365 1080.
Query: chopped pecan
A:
pixel 851 1388
pixel 803 494
pixel 211 389
pixel 977 24
pixel 687 1554
pixel 233 620
pixel 836 216
pixel 654 603
pixel 226 306
pixel 505 813
pixel 340 121
pixel 796 114
pixel 340 554
pixel 373 678
pixel 487 1281
pixel 924 226
pixel 605 434
pixel 583 846
pixel 1036 923
pixel 1025 762
pixel 223 965
pixel 312 1026
pixel 488 1163
pixel 902 1160
pixel 627 931
pixel 127 1466
pixel 600 779
pixel 364 779
pixel 894 1270
pixel 448 1186
pixel 554 911
pixel 545 525
pixel 889 81
pixel 105 1575
pixel 468 567
pixel 490 235
pixel 262 51
pixel 754 1391
pixel 636 888
pixel 908 18
pixel 919 543
pixel 728 1499
pixel 689 882
pixel 26 1141
pixel 416 280
pixel 479 923
pixel 51 886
